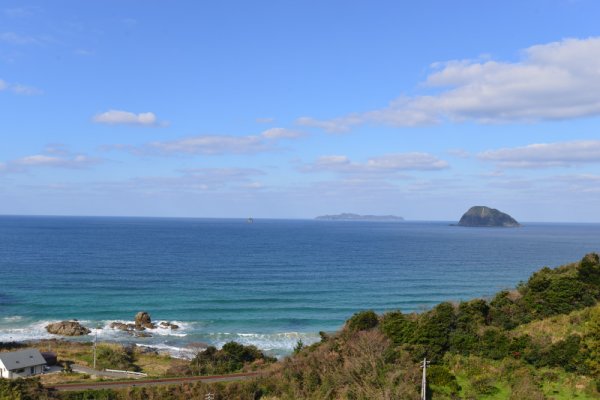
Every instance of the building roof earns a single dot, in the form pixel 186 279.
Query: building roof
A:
pixel 21 359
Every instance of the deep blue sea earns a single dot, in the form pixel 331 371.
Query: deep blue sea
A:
pixel 268 283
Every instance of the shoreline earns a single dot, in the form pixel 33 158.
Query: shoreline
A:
pixel 172 342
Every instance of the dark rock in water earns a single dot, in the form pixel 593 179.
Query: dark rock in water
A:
pixel 167 324
pixel 67 328
pixel 481 216
pixel 121 326
pixel 142 334
pixel 143 320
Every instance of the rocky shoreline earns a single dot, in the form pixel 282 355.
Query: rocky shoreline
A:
pixel 142 322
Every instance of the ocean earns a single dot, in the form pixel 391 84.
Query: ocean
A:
pixel 269 283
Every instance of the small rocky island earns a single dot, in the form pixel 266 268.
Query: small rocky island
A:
pixel 481 216
pixel 357 217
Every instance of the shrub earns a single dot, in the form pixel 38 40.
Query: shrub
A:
pixel 232 357
pixel 565 353
pixel 439 375
pixel 397 327
pixel 22 389
pixel 484 385
pixel 433 331
pixel 589 269
pixel 506 313
pixel 112 357
pixel 362 321
pixel 494 344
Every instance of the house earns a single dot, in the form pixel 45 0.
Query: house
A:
pixel 21 364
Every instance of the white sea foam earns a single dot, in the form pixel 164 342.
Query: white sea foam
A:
pixel 284 341
pixel 33 331
pixel 159 330
pixel 172 341
pixel 12 319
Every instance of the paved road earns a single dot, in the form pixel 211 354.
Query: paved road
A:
pixel 154 382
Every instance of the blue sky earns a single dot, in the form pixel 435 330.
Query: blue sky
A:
pixel 286 109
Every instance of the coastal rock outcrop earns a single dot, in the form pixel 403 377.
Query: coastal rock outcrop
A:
pixel 169 325
pixel 482 216
pixel 122 326
pixel 67 328
pixel 143 321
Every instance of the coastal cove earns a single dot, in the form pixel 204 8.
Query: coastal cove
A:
pixel 269 283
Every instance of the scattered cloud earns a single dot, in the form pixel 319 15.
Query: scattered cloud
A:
pixel 460 153
pixel 17 88
pixel 83 52
pixel 193 180
pixel 211 144
pixel 544 155
pixel 118 117
pixel 337 125
pixel 21 12
pixel 219 144
pixel 265 120
pixel 25 90
pixel 553 81
pixel 580 183
pixel 55 156
pixel 386 164
pixel 281 133
pixel 17 39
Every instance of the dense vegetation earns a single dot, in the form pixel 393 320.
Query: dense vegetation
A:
pixel 475 348
pixel 539 341
pixel 231 357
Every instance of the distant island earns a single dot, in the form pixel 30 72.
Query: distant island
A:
pixel 481 216
pixel 357 217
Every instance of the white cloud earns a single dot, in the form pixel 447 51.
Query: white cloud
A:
pixel 221 144
pixel 211 144
pixel 559 80
pixel 281 133
pixel 386 164
pixel 60 158
pixel 75 161
pixel 118 117
pixel 17 88
pixel 542 155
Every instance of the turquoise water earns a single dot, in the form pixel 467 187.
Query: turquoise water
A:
pixel 269 283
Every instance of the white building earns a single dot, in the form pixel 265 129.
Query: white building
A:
pixel 21 364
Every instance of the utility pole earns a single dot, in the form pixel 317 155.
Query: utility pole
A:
pixel 424 365
pixel 95 343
